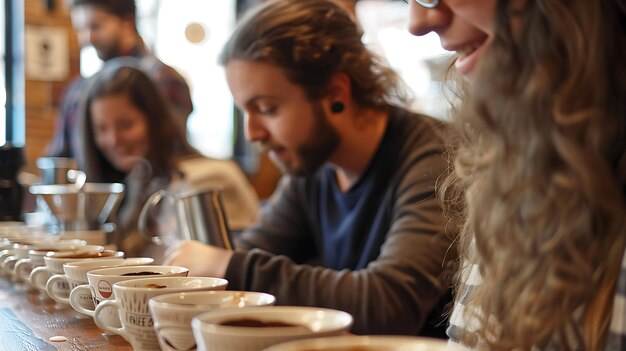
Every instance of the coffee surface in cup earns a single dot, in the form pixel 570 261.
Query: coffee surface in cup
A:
pixel 90 254
pixel 140 273
pixel 52 250
pixel 156 286
pixel 254 323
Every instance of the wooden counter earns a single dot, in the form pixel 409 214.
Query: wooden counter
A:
pixel 27 322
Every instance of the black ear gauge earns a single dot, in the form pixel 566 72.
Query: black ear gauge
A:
pixel 337 107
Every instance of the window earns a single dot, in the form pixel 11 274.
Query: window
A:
pixel 420 61
pixel 190 38
pixel 12 77
pixel 3 95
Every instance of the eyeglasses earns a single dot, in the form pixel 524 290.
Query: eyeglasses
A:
pixel 429 4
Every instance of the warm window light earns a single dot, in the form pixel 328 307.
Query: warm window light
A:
pixel 195 33
pixel 415 59
pixel 90 63
pixel 179 29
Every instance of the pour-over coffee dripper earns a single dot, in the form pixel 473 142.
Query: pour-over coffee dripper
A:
pixel 81 208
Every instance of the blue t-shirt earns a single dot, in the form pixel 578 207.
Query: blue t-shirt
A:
pixel 353 226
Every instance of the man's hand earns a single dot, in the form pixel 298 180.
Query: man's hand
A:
pixel 202 260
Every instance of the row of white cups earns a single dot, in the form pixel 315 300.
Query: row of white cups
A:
pixel 162 308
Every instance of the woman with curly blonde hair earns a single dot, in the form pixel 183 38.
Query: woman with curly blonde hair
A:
pixel 540 170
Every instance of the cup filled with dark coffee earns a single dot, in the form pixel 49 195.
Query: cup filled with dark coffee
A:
pixel 255 328
pixel 130 301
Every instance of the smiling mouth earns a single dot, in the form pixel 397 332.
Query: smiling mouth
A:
pixel 468 50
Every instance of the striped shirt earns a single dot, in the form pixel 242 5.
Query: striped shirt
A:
pixel 459 324
pixel 617 331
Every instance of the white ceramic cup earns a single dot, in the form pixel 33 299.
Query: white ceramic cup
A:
pixel 308 322
pixel 100 286
pixel 19 250
pixel 23 254
pixel 18 235
pixel 23 236
pixel 365 343
pixel 76 275
pixel 24 267
pixel 5 255
pixel 54 265
pixel 172 313
pixel 131 301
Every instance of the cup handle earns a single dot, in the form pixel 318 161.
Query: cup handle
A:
pixel 75 299
pixel 102 325
pixel 38 280
pixel 52 293
pixel 9 264
pixel 153 200
pixel 23 268
pixel 4 254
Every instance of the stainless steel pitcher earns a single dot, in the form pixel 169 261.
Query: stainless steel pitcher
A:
pixel 200 216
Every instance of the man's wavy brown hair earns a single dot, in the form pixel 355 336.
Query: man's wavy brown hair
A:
pixel 311 40
pixel 541 172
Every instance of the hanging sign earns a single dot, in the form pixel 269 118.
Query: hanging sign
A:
pixel 47 53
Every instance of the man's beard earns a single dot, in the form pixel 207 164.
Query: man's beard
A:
pixel 108 52
pixel 321 142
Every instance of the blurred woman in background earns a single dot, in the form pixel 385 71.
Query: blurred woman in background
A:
pixel 129 136
pixel 541 165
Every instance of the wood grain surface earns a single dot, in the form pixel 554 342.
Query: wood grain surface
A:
pixel 27 322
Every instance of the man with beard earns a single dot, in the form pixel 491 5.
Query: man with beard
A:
pixel 355 224
pixel 109 26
